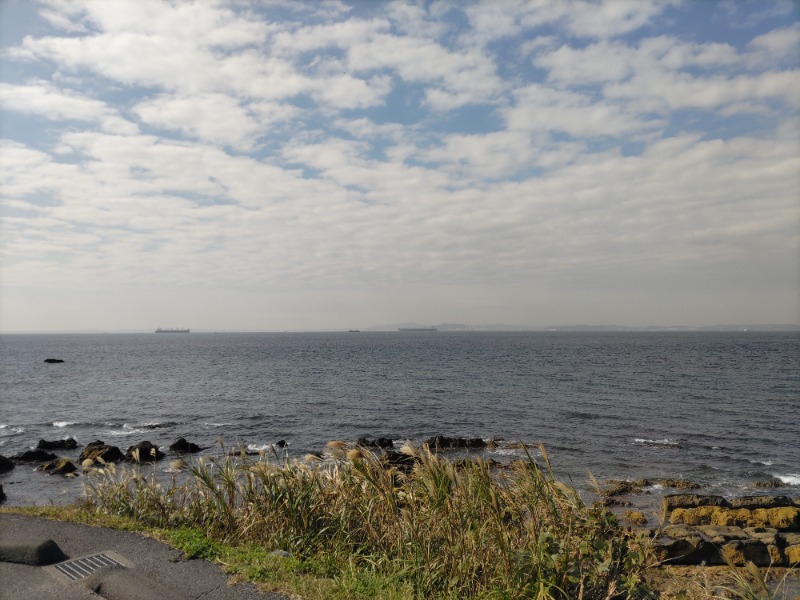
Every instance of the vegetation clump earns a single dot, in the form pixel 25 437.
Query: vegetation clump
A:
pixel 434 531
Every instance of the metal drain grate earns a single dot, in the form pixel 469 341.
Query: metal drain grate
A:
pixel 83 567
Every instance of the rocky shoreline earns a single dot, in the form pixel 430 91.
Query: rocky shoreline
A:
pixel 693 529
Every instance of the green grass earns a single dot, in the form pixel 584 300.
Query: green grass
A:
pixel 357 527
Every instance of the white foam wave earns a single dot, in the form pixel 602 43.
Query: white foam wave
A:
pixel 768 463
pixel 64 423
pixel 217 424
pixel 9 431
pixel 255 448
pixel 791 479
pixel 664 442
pixel 126 430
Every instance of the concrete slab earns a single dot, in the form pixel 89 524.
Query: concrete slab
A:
pixel 156 566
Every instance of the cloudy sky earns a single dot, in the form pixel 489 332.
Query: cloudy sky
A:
pixel 322 164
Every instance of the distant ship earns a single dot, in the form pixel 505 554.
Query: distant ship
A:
pixel 417 329
pixel 159 330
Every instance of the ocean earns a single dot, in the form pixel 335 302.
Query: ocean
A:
pixel 720 409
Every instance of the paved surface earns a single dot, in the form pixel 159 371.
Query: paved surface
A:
pixel 146 569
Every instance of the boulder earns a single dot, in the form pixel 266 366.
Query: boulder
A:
pixel 679 484
pixel 181 446
pixel 67 444
pixel 37 455
pixel 672 501
pixel 752 502
pixel 402 462
pixel 636 517
pixel 441 442
pixel 381 442
pixel 2 495
pixel 740 552
pixel 5 464
pixel 721 534
pixel 53 361
pixel 619 487
pixel 100 452
pixel 682 545
pixel 143 452
pixel 793 555
pixel 59 466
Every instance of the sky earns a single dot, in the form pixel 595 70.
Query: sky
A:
pixel 289 164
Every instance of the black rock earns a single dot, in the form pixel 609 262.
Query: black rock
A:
pixel 37 455
pixel 67 444
pixel 59 466
pixel 99 451
pixel 53 361
pixel 381 442
pixel 181 446
pixel 281 444
pixel 2 494
pixel 143 452
pixel 441 442
pixel 5 464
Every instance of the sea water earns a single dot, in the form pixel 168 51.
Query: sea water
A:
pixel 720 409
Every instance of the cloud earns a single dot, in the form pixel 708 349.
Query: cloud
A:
pixel 401 157
pixel 45 100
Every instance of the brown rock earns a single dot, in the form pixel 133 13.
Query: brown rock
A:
pixel 793 555
pixel 672 501
pixel 636 517
pixel 767 535
pixel 679 484
pixel 753 502
pixel 740 552
pixel 719 534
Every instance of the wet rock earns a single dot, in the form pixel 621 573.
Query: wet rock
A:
pixel 441 442
pixel 143 452
pixel 769 483
pixel 59 466
pixel 53 361
pixel 100 452
pixel 381 443
pixel 752 502
pixel 619 487
pixel 181 446
pixel 2 495
pixel 34 456
pixel 5 464
pixel 679 484
pixel 609 502
pixel 67 444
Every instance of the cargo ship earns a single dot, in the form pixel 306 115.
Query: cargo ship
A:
pixel 160 330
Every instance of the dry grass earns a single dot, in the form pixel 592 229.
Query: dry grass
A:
pixel 439 531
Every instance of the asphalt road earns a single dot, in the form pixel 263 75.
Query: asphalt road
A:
pixel 145 569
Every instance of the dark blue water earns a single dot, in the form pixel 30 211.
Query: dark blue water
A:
pixel 718 408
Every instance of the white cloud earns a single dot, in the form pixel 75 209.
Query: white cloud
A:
pixel 44 99
pixel 215 118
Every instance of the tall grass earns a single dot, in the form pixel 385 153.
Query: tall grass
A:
pixel 443 530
